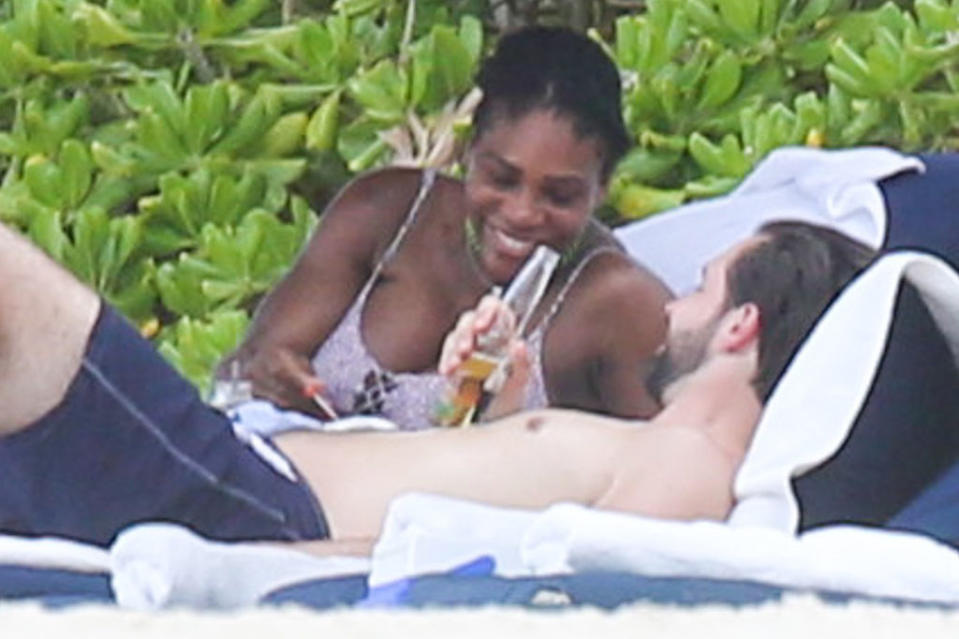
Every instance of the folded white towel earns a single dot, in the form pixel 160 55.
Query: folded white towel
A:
pixel 432 534
pixel 852 559
pixel 160 565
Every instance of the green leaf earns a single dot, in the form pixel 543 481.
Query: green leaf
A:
pixel 627 41
pixel 452 65
pixel 322 129
pixel 46 231
pixel 45 180
pixel 935 17
pixel 256 118
pixel 635 201
pixel 206 109
pixel 159 16
pixel 647 165
pixel 102 28
pixel 285 136
pixel 277 171
pixel 25 25
pixel 722 81
pixel 381 91
pixel 471 36
pixel 77 169
pixel 194 347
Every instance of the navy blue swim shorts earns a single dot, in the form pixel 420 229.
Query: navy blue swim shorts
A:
pixel 132 441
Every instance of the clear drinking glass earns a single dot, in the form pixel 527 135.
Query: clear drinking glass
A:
pixel 485 369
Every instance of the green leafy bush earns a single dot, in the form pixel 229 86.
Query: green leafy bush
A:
pixel 173 153
pixel 714 85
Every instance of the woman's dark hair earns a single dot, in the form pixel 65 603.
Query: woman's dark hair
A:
pixel 559 70
pixel 792 274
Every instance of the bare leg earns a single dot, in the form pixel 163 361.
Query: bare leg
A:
pixel 45 320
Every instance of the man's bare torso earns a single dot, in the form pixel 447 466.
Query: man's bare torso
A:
pixel 531 460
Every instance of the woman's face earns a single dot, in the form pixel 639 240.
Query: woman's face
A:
pixel 530 180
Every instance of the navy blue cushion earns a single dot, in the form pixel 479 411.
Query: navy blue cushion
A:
pixel 936 511
pixel 53 587
pixel 907 433
pixel 924 207
pixel 602 589
pixel 322 593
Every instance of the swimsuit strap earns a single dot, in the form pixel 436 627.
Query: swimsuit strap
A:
pixel 568 284
pixel 426 185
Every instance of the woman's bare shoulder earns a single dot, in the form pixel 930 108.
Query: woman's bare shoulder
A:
pixel 614 280
pixel 385 196
pixel 382 193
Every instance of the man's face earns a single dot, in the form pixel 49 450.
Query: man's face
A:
pixel 693 319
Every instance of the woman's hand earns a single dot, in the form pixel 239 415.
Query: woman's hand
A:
pixel 281 376
pixel 491 321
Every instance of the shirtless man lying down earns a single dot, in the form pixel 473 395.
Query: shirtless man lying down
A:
pixel 97 432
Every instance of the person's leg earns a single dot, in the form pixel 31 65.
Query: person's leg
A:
pixel 45 319
pixel 99 432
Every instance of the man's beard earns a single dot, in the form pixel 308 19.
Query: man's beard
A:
pixel 682 355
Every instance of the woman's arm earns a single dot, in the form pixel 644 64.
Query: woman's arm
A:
pixel 304 307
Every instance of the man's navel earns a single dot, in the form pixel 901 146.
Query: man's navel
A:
pixel 535 424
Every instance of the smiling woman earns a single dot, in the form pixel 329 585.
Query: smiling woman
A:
pixel 401 254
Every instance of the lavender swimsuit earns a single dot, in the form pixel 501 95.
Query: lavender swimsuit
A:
pixel 358 384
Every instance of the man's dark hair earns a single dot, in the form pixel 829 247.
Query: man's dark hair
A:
pixel 559 70
pixel 792 274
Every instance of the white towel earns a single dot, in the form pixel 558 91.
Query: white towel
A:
pixel 161 565
pixel 852 559
pixel 432 534
pixel 265 419
pixel 570 538
pixel 834 188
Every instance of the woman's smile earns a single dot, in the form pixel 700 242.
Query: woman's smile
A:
pixel 507 244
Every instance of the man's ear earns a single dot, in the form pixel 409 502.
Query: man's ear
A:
pixel 740 327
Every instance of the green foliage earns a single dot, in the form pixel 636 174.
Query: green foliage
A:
pixel 195 346
pixel 714 85
pixel 165 150
pixel 157 147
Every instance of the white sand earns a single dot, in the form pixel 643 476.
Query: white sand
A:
pixel 799 617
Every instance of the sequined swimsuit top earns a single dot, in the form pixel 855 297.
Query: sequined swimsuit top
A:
pixel 357 384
